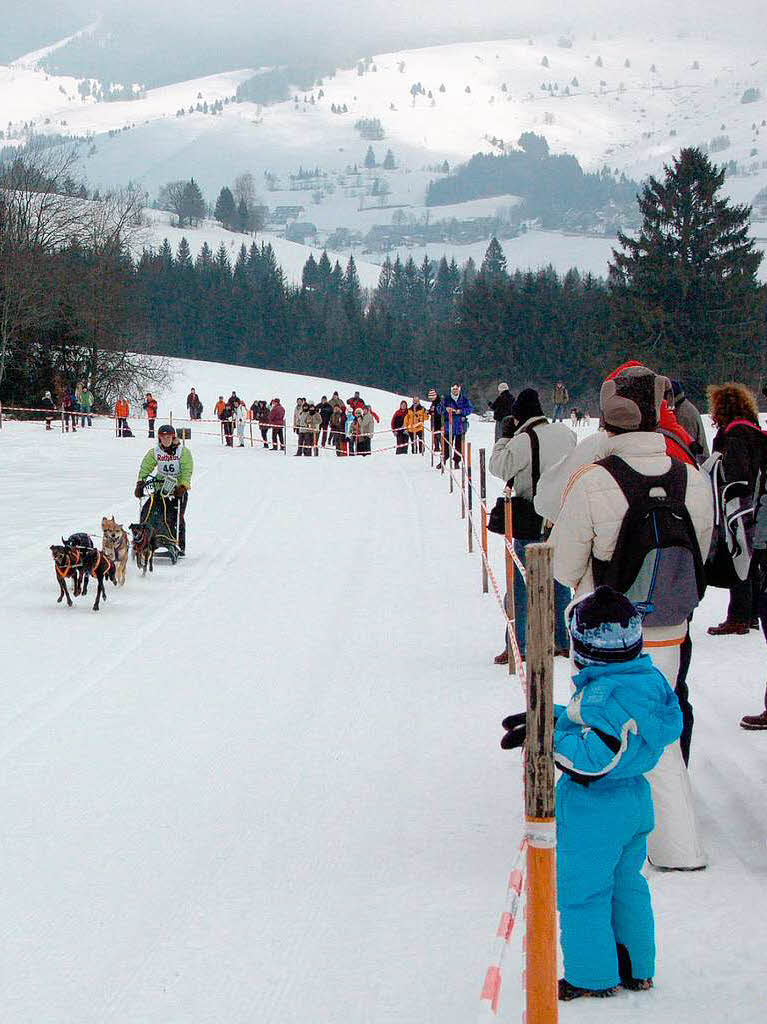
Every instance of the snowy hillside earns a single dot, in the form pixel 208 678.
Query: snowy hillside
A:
pixel 627 102
pixel 265 785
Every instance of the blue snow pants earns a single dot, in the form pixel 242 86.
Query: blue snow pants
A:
pixel 602 897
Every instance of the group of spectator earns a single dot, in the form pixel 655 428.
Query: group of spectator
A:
pixel 346 426
pixel 233 414
pixel 630 721
pixel 74 403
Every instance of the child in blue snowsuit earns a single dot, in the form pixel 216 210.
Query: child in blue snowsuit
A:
pixel 621 717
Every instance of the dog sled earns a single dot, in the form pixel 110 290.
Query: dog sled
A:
pixel 162 511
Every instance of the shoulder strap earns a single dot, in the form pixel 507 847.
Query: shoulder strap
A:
pixel 636 486
pixel 535 450
pixel 678 441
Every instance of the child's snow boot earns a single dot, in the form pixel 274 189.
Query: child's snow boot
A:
pixel 568 991
pixel 626 975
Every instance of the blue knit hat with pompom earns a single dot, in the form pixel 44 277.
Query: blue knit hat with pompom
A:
pixel 605 628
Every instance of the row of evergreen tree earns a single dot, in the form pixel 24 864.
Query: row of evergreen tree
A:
pixel 682 296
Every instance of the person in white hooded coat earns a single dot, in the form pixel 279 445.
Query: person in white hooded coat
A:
pixel 586 528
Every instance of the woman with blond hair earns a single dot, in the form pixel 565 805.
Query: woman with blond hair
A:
pixel 743 446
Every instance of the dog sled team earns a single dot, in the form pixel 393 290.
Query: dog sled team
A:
pixel 164 479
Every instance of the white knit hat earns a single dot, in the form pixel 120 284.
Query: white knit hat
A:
pixel 503 387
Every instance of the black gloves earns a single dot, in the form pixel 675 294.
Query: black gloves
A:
pixel 508 427
pixel 139 489
pixel 516 731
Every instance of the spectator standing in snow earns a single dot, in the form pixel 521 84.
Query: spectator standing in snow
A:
pixel 47 404
pixel 277 423
pixel 219 407
pixel 313 427
pixel 193 405
pixel 514 461
pixel 226 416
pixel 414 421
pixel 240 419
pixel 743 446
pixel 622 716
pixel 587 529
pixel 367 421
pixel 455 412
pixel 122 412
pixel 435 417
pixel 150 408
pixel 338 429
pixel 501 406
pixel 351 430
pixel 325 409
pixel 689 418
pixel 337 402
pixel 84 398
pixel 355 402
pixel 297 412
pixel 560 396
pixel 398 428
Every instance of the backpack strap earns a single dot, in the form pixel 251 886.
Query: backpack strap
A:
pixel 635 486
pixel 680 443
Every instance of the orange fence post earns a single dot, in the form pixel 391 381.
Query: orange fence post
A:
pixel 483 516
pixel 509 563
pixel 450 448
pixel 463 482
pixel 469 496
pixel 541 950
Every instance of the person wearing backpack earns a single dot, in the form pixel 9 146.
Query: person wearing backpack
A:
pixel 606 534
pixel 758 722
pixel 743 447
pixel 520 460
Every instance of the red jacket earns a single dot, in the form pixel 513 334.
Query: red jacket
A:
pixel 277 416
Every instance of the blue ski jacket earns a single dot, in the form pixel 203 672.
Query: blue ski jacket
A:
pixel 618 722
pixel 461 408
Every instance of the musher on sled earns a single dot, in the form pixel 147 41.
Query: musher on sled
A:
pixel 172 466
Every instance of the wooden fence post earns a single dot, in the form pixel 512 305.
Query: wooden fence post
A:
pixel 541 954
pixel 483 516
pixel 469 496
pixel 509 563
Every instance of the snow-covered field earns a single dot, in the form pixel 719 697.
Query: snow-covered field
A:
pixel 265 785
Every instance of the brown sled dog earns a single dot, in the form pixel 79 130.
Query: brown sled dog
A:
pixel 144 545
pixel 115 546
pixel 100 567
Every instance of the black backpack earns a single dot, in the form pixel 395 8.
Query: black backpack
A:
pixel 657 562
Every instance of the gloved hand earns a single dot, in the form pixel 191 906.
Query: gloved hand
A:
pixel 179 490
pixel 516 731
pixel 139 489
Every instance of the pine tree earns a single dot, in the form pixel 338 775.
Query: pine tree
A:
pixel 370 158
pixel 686 291
pixel 494 264
pixel 243 216
pixel 193 205
pixel 225 211
pixel 389 164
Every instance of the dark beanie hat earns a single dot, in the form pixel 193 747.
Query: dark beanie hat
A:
pixel 632 400
pixel 605 628
pixel 527 405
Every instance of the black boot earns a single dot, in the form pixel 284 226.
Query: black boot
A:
pixel 567 991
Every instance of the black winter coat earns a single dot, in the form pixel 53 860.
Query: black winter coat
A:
pixel 744 452
pixel 502 406
pixel 325 409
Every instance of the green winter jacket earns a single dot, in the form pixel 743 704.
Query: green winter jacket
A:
pixel 185 466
